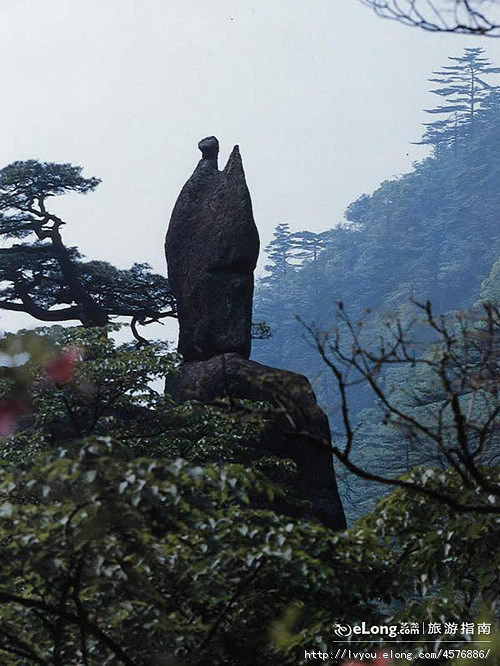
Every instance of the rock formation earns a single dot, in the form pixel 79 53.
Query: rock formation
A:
pixel 297 430
pixel 211 248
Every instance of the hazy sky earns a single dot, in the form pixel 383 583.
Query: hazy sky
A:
pixel 322 96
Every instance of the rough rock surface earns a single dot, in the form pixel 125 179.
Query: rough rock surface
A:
pixel 299 430
pixel 212 247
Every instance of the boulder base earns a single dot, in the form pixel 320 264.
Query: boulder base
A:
pixel 298 430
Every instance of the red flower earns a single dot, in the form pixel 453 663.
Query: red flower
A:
pixel 61 368
pixel 10 411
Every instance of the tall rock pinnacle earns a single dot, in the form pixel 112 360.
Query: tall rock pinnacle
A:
pixel 212 247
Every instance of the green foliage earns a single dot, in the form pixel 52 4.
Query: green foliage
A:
pixel 110 391
pixel 134 291
pixel 139 561
pixel 138 532
pixel 449 571
pixel 102 545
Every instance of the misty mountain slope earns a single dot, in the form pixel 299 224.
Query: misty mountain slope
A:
pixel 432 234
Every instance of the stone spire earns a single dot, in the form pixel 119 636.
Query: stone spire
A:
pixel 212 247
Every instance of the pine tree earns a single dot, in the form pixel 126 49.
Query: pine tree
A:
pixel 40 276
pixel 280 252
pixel 308 245
pixel 465 91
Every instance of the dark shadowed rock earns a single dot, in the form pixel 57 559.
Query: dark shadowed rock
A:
pixel 298 430
pixel 212 247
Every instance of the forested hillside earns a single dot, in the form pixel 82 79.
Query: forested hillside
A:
pixel 430 235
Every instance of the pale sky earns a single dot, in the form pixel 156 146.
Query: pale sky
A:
pixel 322 96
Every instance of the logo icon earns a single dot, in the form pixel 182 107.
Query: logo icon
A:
pixel 342 630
